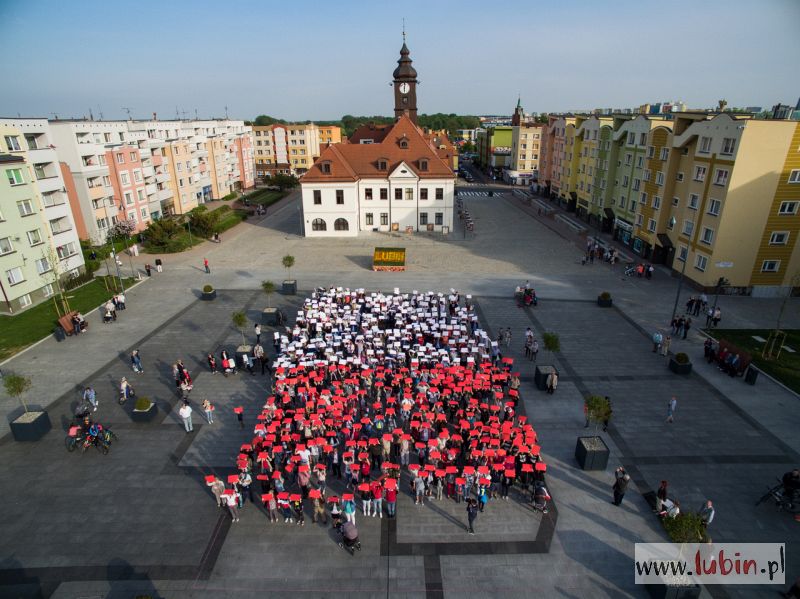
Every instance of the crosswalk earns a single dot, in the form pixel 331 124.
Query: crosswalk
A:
pixel 477 194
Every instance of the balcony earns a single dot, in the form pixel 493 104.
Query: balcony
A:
pixel 148 171
pixel 162 177
pixel 165 194
pixel 150 188
pixel 49 184
pixel 60 225
pixel 54 198
pixel 97 192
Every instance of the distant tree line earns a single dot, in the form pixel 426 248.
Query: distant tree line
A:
pixel 349 123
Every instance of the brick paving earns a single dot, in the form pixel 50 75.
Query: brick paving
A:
pixel 140 520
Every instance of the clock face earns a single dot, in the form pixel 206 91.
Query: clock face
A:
pixel 404 87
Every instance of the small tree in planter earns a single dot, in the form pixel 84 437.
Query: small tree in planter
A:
pixel 30 425
pixel 680 364
pixel 604 300
pixel 144 410
pixel 269 315
pixel 551 344
pixel 592 452
pixel 239 320
pixel 289 284
pixel 209 293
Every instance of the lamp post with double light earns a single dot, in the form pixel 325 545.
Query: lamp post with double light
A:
pixel 672 222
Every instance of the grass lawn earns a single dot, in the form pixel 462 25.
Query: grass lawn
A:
pixel 21 330
pixel 786 368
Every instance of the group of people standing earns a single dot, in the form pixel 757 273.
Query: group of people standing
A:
pixel 363 383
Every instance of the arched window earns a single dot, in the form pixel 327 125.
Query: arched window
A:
pixel 341 225
pixel 318 225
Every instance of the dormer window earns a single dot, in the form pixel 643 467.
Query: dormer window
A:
pixel 404 143
pixel 325 167
pixel 423 164
pixel 382 166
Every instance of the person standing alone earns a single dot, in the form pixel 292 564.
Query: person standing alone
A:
pixel 472 513
pixel 620 484
pixel 186 415
pixel 671 407
pixel 205 265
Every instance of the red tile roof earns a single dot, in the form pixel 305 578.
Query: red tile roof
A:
pixel 353 161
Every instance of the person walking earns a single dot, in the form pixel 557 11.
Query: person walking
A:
pixel 260 355
pixel 716 317
pixel 149 270
pixel 671 407
pixel 472 513
pixel 90 396
pixel 661 496
pixel 419 490
pixel 205 265
pixel 186 415
pixel 272 506
pixel 159 265
pixel 552 381
pixel 319 514
pixel 621 481
pixel 212 363
pixel 535 349
pixel 136 362
pixel 687 324
pixel 257 330
pixel 665 345
pixel 657 340
pixel 707 513
pixel 208 409
pixel 349 510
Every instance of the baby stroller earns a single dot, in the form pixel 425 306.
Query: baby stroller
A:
pixel 350 540
pixel 540 497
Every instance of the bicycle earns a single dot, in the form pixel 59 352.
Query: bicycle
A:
pixel 783 501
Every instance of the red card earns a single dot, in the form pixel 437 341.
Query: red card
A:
pixel 527 467
pixel 314 494
pixel 461 481
pixel 541 467
pixel 266 497
pixel 333 499
pixel 347 496
pixel 283 495
pixel 295 497
pixel 238 410
pixel 510 473
pixel 262 477
pixel 210 478
pixel 363 487
pixel 390 483
pixel 233 478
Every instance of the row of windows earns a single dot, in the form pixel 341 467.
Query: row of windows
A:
pixel 423 218
pixel 399 193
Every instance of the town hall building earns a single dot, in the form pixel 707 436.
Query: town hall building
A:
pixel 384 177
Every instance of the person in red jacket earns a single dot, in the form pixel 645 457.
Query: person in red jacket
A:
pixel 391 501
pixel 377 499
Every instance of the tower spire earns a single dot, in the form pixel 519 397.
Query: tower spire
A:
pixel 404 30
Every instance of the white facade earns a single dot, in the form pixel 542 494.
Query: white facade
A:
pixel 410 204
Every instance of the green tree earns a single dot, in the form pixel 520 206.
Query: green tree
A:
pixel 288 262
pixel 160 232
pixel 269 289
pixel 16 385
pixel 239 320
pixel 262 120
pixel 551 342
pixel 285 181
pixel 202 221
pixel 598 409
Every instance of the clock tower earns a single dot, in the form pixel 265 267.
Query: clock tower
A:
pixel 405 86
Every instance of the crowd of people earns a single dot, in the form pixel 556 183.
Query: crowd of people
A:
pixel 369 387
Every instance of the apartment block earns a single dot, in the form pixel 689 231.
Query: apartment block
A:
pixel 107 175
pixel 522 167
pixel 38 238
pixel 494 149
pixel 593 138
pixel 290 149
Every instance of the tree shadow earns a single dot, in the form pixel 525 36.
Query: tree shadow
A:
pixel 364 262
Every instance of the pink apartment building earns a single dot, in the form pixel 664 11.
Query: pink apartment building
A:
pixel 127 181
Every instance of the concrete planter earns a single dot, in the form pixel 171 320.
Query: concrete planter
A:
pixel 604 303
pixel 592 453
pixel 31 426
pixel 677 368
pixel 145 415
pixel 269 317
pixel 540 376
pixel 209 295
pixel 290 287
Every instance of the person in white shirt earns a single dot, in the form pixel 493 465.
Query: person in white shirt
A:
pixel 186 415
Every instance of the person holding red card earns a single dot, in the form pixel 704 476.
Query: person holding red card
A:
pixel 377 499
pixel 391 496
pixel 349 507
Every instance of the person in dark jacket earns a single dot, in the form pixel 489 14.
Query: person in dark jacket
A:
pixel 472 513
pixel 620 484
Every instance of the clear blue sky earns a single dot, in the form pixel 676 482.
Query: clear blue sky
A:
pixel 320 60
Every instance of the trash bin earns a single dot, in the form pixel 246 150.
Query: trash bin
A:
pixel 750 376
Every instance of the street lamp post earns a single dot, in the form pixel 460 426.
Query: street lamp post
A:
pixel 114 250
pixel 680 280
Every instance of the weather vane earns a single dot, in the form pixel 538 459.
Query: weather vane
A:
pixel 404 30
